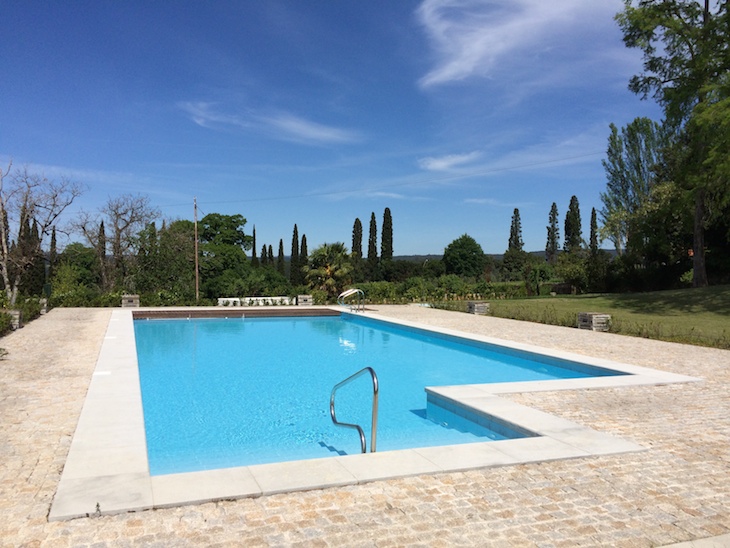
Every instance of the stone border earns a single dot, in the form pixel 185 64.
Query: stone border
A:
pixel 106 471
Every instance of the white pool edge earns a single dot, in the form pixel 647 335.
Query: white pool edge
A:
pixel 107 471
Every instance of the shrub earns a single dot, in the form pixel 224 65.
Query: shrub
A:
pixel 5 323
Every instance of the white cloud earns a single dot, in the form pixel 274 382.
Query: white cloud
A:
pixel 282 125
pixel 203 114
pixel 445 163
pixel 291 127
pixel 474 37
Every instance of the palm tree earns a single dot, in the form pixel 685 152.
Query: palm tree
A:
pixel 329 268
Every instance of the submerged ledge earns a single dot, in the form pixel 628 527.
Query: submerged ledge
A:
pixel 107 472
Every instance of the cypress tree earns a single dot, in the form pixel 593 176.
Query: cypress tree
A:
pixel 101 256
pixel 53 251
pixel 264 255
pixel 593 245
pixel 553 235
pixel 295 277
pixel 270 258
pixel 515 232
pixel 280 263
pixel 303 254
pixel 372 249
pixel 386 241
pixel 254 258
pixel 357 239
pixel 573 230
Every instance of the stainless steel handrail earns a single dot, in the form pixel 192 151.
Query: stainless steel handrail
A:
pixel 360 305
pixel 374 425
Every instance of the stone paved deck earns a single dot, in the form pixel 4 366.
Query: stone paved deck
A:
pixel 678 490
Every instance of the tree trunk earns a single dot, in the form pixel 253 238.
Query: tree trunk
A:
pixel 699 277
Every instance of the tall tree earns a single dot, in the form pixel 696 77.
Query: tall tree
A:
pixel 573 228
pixel 280 261
pixel 303 253
pixel 270 258
pixel 123 218
pixel 372 261
pixel 686 50
pixel 254 258
pixel 464 257
pixel 264 255
pixel 593 242
pixel 515 232
pixel 357 239
pixel 386 239
pixel 294 267
pixel 632 163
pixel 35 197
pixel 553 236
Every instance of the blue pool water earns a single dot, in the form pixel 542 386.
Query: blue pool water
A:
pixel 232 392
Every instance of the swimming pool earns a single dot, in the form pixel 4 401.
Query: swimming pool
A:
pixel 107 468
pixel 230 392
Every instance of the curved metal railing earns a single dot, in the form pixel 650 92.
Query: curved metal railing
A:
pixel 374 425
pixel 359 305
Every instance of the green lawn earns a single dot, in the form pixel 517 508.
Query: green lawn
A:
pixel 695 316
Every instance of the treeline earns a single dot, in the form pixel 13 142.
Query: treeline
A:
pixel 666 208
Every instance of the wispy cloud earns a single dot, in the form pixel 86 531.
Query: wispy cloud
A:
pixel 448 162
pixel 474 37
pixel 281 125
pixel 288 126
pixel 205 115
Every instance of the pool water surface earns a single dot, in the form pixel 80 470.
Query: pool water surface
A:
pixel 219 393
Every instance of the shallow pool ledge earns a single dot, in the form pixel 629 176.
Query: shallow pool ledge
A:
pixel 107 471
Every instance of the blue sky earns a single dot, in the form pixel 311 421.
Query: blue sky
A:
pixel 450 112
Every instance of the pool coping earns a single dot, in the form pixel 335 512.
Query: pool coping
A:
pixel 106 471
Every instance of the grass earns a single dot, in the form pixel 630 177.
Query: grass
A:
pixel 694 316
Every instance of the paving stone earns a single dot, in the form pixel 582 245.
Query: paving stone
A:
pixel 676 491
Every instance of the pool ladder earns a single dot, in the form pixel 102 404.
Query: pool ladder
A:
pixel 357 306
pixel 374 426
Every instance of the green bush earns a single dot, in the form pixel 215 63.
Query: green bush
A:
pixel 30 308
pixel 5 323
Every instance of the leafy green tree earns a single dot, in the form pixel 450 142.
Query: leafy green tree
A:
pixel 464 257
pixel 686 63
pixel 632 164
pixel 177 260
pixel 329 269
pixel 294 268
pixel 224 261
pixel 573 228
pixel 82 261
pixel 148 259
pixel 553 236
pixel 571 268
pixel 219 229
pixel 372 261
